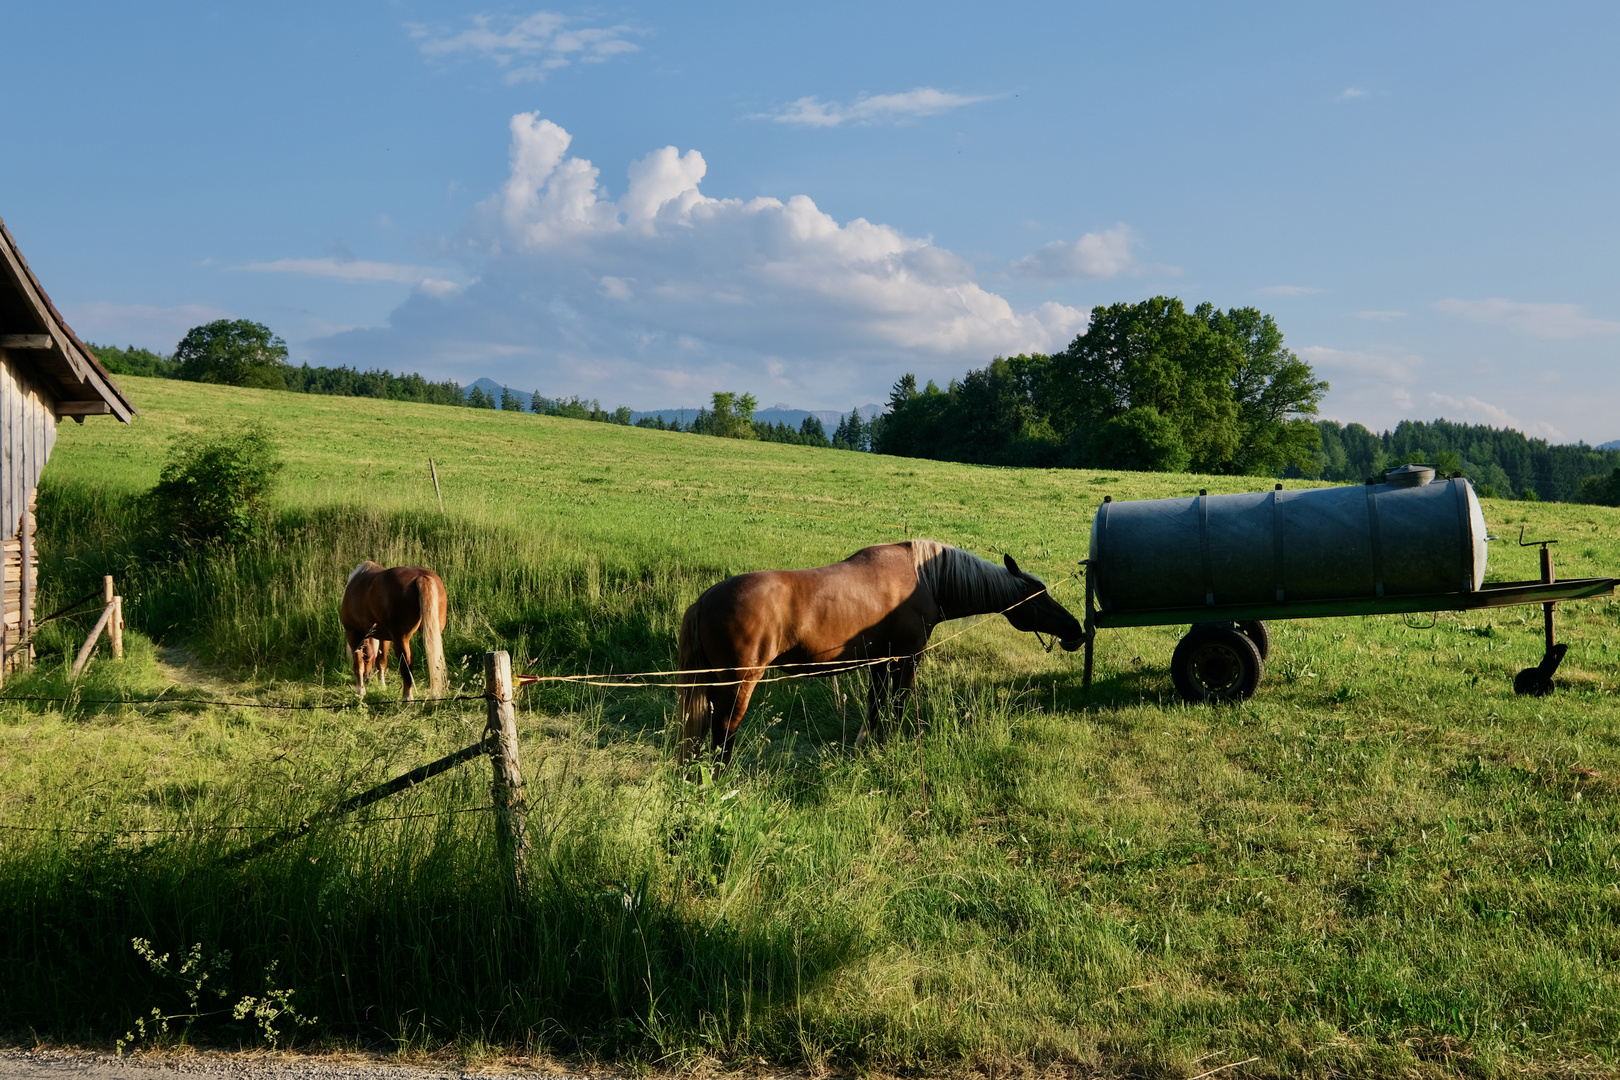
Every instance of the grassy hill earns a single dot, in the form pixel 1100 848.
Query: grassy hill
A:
pixel 1385 863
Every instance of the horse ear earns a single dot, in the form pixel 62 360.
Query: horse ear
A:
pixel 1011 564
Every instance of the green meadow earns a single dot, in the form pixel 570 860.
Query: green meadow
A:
pixel 1384 863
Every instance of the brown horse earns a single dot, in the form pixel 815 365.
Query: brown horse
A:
pixel 383 607
pixel 881 602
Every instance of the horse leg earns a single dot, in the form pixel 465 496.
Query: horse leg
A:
pixel 877 701
pixel 904 675
pixel 357 657
pixel 405 677
pixel 379 660
pixel 726 725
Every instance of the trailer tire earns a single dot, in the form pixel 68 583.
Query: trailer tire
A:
pixel 1254 630
pixel 1216 664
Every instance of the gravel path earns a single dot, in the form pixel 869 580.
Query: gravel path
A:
pixel 58 1064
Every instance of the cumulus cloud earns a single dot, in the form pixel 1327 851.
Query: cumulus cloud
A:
pixel 527 48
pixel 144 325
pixel 1534 320
pixel 1350 93
pixel 868 109
pixel 668 290
pixel 350 269
pixel 1472 410
pixel 1103 254
pixel 1371 388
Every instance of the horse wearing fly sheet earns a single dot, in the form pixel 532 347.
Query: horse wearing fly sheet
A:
pixel 383 607
pixel 881 602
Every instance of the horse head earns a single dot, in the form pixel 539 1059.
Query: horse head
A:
pixel 1038 612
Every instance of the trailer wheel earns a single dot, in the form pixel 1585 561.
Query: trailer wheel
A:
pixel 1254 630
pixel 1216 663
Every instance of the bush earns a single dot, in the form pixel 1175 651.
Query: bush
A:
pixel 215 488
pixel 1600 490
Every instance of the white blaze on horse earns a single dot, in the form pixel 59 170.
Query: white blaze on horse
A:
pixel 383 607
pixel 880 604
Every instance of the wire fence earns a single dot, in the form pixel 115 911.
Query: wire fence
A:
pixel 611 680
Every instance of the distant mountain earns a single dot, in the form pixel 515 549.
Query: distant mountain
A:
pixel 778 413
pixel 1612 444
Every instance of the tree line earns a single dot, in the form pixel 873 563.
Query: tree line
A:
pixel 1149 386
pixel 239 352
pixel 1503 463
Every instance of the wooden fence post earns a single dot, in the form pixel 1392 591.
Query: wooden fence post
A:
pixel 115 625
pixel 511 806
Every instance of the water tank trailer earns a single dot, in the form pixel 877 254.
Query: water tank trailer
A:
pixel 1412 542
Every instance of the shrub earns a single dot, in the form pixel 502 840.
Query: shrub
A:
pixel 215 487
pixel 1600 490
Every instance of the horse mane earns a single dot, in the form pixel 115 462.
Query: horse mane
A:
pixel 367 565
pixel 965 579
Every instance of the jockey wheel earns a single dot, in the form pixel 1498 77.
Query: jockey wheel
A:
pixel 1216 662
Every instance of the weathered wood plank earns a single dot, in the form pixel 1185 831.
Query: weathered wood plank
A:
pixel 25 341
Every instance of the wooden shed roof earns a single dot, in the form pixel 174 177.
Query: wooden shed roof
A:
pixel 34 335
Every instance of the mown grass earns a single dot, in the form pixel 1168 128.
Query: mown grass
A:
pixel 1385 863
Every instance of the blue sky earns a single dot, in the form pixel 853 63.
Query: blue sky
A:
pixel 646 203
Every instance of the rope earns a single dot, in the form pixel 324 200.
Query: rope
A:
pixel 234 828
pixel 825 667
pixel 632 679
pixel 229 704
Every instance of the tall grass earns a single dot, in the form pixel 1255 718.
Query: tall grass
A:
pixel 1384 863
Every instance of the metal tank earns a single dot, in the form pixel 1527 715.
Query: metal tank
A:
pixel 1226 563
pixel 1408 537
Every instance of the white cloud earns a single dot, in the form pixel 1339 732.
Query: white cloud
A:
pixel 1103 254
pixel 667 291
pixel 1350 93
pixel 348 269
pixel 1368 388
pixel 1471 410
pixel 1534 320
pixel 1290 290
pixel 1393 369
pixel 529 48
pixel 143 325
pixel 1380 316
pixel 923 101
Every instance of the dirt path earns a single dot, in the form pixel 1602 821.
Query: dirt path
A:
pixel 179 666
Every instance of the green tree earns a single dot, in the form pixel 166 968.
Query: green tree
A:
pixel 852 433
pixel 537 404
pixel 133 361
pixel 1237 397
pixel 1600 490
pixel 234 352
pixel 732 416
pixel 509 401
pixel 477 398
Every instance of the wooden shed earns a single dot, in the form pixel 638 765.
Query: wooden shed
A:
pixel 46 373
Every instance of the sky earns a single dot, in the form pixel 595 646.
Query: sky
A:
pixel 647 203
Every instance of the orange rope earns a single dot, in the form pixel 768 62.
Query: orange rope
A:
pixel 828 667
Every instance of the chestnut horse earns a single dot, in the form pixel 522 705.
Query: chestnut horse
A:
pixel 383 607
pixel 882 601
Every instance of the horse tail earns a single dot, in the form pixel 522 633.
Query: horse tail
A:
pixel 433 616
pixel 693 696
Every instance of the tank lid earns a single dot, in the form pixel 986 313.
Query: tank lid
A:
pixel 1409 476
